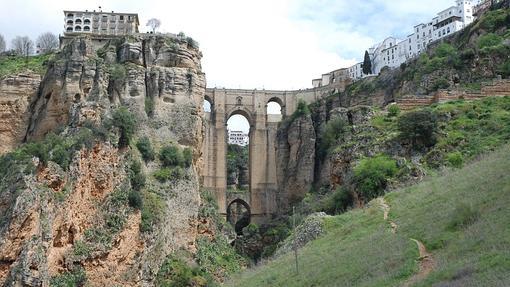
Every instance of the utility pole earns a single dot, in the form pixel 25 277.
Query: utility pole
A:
pixel 295 236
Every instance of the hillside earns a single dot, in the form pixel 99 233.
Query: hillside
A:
pixel 461 217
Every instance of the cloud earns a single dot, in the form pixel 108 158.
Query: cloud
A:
pixel 271 44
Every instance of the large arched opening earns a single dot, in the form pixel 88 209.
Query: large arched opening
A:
pixel 238 153
pixel 239 214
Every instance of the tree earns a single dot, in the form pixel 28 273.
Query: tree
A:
pixel 419 128
pixel 2 43
pixel 47 42
pixel 23 46
pixel 367 64
pixel 154 24
pixel 126 123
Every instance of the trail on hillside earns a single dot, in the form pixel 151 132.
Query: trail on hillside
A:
pixel 426 261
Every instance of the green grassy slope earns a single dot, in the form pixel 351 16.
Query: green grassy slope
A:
pixel 462 217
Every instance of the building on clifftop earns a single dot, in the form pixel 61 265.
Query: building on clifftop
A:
pixel 100 23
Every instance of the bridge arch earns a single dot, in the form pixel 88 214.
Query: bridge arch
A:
pixel 262 178
pixel 237 219
pixel 240 111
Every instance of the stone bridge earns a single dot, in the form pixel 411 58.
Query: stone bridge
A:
pixel 252 104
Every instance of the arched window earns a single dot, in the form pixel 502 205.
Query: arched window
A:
pixel 70 15
pixel 86 29
pixel 69 29
pixel 77 28
pixel 69 22
pixel 86 22
pixel 78 21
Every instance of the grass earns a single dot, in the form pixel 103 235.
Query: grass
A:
pixel 10 65
pixel 462 217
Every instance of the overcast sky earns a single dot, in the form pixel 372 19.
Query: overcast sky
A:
pixel 271 44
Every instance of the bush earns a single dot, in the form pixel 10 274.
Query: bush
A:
pixel 504 69
pixel 136 176
pixel 418 127
pixel 393 110
pixel 455 159
pixel 493 20
pixel 333 130
pixel 176 273
pixel 338 202
pixel 371 175
pixel 489 40
pixel 76 277
pixel 152 211
pixel 440 83
pixel 217 256
pixel 145 147
pixel 135 199
pixel 163 175
pixel 126 123
pixel 301 110
pixel 117 72
pixel 187 155
pixel 171 155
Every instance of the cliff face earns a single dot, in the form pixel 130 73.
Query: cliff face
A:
pixel 16 94
pixel 58 222
pixel 295 159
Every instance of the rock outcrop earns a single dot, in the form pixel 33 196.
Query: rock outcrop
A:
pixel 16 94
pixel 49 215
pixel 295 159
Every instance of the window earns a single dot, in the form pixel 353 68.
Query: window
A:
pixel 86 29
pixel 121 17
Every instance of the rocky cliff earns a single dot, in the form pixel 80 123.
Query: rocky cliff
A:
pixel 295 159
pixel 69 206
pixel 16 94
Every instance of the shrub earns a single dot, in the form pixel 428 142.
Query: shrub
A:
pixel 171 155
pixel 440 83
pixel 418 127
pixel 187 155
pixel 136 176
pixel 217 256
pixel 152 211
pixel 301 110
pixel 163 175
pixel 77 277
pixel 117 72
pixel 463 215
pixel 393 110
pixel 176 273
pixel 504 69
pixel 489 40
pixel 455 159
pixel 338 202
pixel 178 173
pixel 333 130
pixel 372 174
pixel 126 123
pixel 493 20
pixel 145 147
pixel 135 199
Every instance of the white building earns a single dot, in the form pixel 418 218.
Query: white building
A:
pixel 102 23
pixel 392 52
pixel 238 138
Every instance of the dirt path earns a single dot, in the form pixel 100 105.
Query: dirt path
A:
pixel 427 264
pixel 426 261
pixel 386 211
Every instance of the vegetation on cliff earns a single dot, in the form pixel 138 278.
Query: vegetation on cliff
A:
pixel 460 217
pixel 10 65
